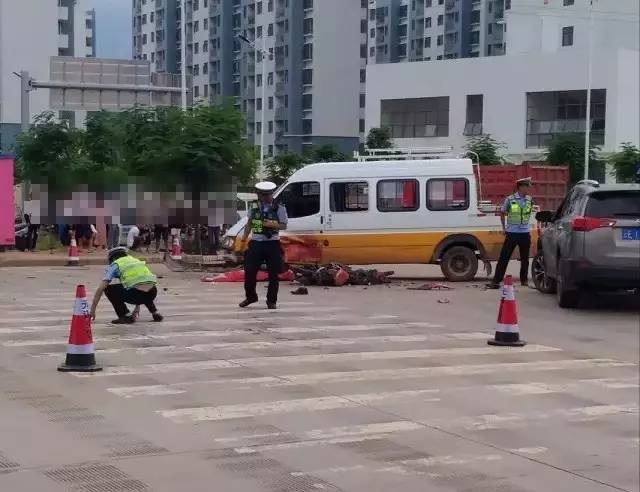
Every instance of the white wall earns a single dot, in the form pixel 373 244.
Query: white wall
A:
pixel 336 67
pixel 26 43
pixel 504 82
pixel 534 27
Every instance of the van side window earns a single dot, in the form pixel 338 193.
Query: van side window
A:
pixel 448 194
pixel 398 195
pixel 301 199
pixel 349 197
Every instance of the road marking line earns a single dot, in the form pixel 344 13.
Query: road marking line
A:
pixel 510 420
pixel 399 354
pixel 306 343
pixel 290 330
pixel 461 370
pixel 159 368
pixel 544 388
pixel 532 451
pixel 225 412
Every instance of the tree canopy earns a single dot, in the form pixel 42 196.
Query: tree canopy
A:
pixel 485 149
pixel 199 149
pixel 379 138
pixel 567 149
pixel 625 162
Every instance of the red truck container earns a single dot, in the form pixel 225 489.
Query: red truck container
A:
pixel 549 182
pixel 7 208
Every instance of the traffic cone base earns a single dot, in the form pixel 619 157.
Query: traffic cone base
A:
pixel 74 257
pixel 507 330
pixel 80 351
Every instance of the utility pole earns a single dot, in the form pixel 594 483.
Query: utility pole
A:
pixel 587 132
pixel 183 55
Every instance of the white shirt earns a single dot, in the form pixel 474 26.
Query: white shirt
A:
pixel 133 233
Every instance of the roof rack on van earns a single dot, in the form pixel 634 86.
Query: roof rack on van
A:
pixel 591 182
pixel 412 153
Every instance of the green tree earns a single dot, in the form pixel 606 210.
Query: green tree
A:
pixel 567 149
pixel 326 153
pixel 624 163
pixel 280 167
pixel 485 149
pixel 379 138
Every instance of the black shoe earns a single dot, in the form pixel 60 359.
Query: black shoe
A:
pixel 271 305
pixel 157 316
pixel 127 319
pixel 247 302
pixel 492 285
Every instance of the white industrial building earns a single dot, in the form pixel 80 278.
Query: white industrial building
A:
pixel 32 31
pixel 537 90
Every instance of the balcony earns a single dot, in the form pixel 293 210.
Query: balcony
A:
pixel 250 92
pixel 281 13
pixel 159 4
pixel 213 76
pixel 451 4
pixel 451 26
pixel 281 113
pixel 213 53
pixel 251 20
pixel 63 13
pixel 281 89
pixel 280 62
pixel 63 41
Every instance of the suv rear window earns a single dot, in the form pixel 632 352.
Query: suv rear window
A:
pixel 614 204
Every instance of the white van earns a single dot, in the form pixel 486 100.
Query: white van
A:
pixel 389 212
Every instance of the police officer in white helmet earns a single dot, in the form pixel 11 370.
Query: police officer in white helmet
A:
pixel 265 221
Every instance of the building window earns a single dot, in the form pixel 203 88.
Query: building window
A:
pixel 428 3
pixel 349 197
pixel 363 51
pixel 307 26
pixel 205 24
pixel 259 104
pixel 259 8
pixel 567 36
pixel 402 31
pixel 196 70
pixel 259 80
pixel 205 46
pixel 307 4
pixel 566 3
pixel 427 22
pixel 440 38
pixel 440 19
pixel 270 126
pixel 307 101
pixel 196 91
pixel 258 128
pixel 144 39
pixel 361 126
pixel 270 78
pixel 416 118
pixel 196 5
pixel 196 48
pixel 551 113
pixel 270 30
pixel 307 127
pixel 206 90
pixel 427 42
pixel 151 17
pixel 205 68
pixel 362 100
pixel 270 6
pixel 307 52
pixel 307 76
pixel 372 51
pixel 144 19
pixel 302 199
pixel 397 195
pixel 403 11
pixel 447 194
pixel 473 124
pixel 363 76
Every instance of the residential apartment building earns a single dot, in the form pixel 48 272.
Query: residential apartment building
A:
pixel 538 90
pixel 313 78
pixel 32 31
pixel 90 33
pixel 426 30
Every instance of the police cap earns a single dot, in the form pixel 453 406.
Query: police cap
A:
pixel 266 187
pixel 115 253
pixel 524 181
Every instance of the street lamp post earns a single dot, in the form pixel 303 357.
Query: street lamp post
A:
pixel 587 132
pixel 183 54
pixel 264 54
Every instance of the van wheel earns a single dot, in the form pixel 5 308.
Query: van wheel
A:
pixel 459 264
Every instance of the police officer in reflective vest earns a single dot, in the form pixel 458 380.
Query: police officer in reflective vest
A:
pixel 137 286
pixel 516 211
pixel 264 223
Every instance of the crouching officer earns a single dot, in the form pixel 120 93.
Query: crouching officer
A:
pixel 137 286
pixel 516 210
pixel 264 223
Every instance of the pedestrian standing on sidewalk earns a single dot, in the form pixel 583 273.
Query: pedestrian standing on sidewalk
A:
pixel 137 286
pixel 265 222
pixel 516 213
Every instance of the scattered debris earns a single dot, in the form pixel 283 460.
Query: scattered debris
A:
pixel 444 301
pixel 431 287
pixel 300 291
pixel 335 275
pixel 238 276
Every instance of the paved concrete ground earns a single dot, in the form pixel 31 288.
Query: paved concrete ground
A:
pixel 350 389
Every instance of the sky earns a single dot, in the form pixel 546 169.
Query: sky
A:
pixel 113 28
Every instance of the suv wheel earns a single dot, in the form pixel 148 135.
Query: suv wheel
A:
pixel 542 282
pixel 568 296
pixel 459 264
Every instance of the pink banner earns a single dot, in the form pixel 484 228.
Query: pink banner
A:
pixel 7 207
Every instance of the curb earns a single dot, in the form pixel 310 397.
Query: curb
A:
pixel 60 262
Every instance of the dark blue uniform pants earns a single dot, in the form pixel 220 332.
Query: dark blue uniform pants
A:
pixel 260 252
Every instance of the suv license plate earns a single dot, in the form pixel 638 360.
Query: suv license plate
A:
pixel 631 234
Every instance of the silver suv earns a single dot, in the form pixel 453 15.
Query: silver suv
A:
pixel 592 242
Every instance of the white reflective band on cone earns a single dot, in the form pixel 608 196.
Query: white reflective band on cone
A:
pixel 508 294
pixel 507 328
pixel 81 307
pixel 74 258
pixel 80 349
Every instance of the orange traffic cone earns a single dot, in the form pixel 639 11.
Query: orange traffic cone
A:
pixel 80 351
pixel 74 256
pixel 507 331
pixel 176 251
